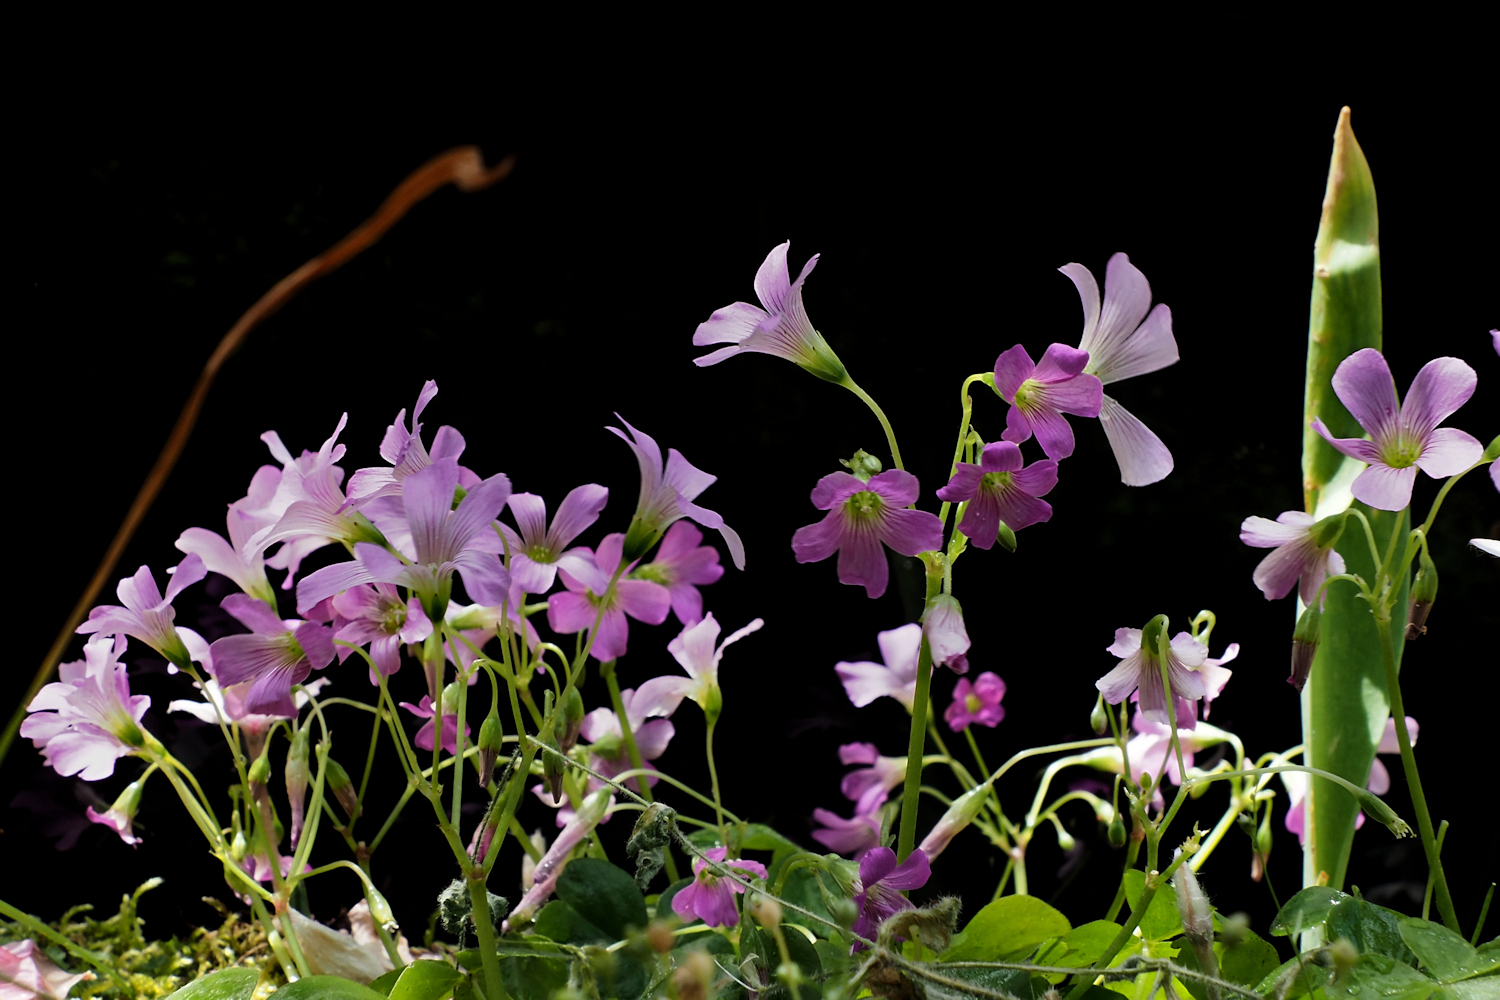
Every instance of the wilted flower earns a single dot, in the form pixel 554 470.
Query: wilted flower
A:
pixel 863 517
pixel 710 897
pixel 947 638
pixel 120 817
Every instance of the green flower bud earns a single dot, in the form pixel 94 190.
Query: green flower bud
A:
pixel 336 780
pixel 863 466
pixel 1305 645
pixel 1098 718
pixel 1423 594
pixel 239 847
pixel 380 910
pixel 298 777
pixel 569 719
pixel 1263 837
pixel 1382 813
pixel 1007 537
pixel 1117 831
pixel 260 770
pixel 491 740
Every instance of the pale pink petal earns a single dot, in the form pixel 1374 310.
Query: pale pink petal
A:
pixel 1364 385
pixel 1388 741
pixel 1449 451
pixel 729 325
pixel 1440 388
pixel 1263 533
pixel 1088 294
pixel 1142 457
pixel 1123 679
pixel 1357 448
pixel 1383 487
pixel 660 696
pixel 865 681
pixel 1151 348
pixel 1127 296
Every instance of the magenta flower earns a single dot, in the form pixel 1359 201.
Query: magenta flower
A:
pixel 667 494
pixel 376 614
pixel 1039 395
pixel 880 884
pixel 781 328
pixel 1139 669
pixel 710 897
pixel 694 649
pixel 423 739
pixel 855 836
pixel 120 817
pixel 947 639
pixel 147 615
pixel 1378 782
pixel 1403 437
pixel 869 786
pixel 896 677
pixel 274 656
pixel 977 702
pixel 1122 342
pixel 87 719
pixel 537 549
pixel 863 517
pixel 682 565
pixel 999 489
pixel 1303 553
pixel 588 590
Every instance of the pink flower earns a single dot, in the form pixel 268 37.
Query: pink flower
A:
pixel 856 835
pixel 1040 394
pixel 896 677
pixel 120 817
pixel 868 787
pixel 587 579
pixel 376 614
pixel 710 897
pixel 1404 437
pixel 863 518
pixel 26 973
pixel 682 565
pixel 1139 669
pixel 407 454
pixel 275 655
pixel 1303 553
pixel 977 702
pixel 694 649
pixel 999 489
pixel 88 719
pixel 147 615
pixel 536 550
pixel 878 890
pixel 423 739
pixel 1122 342
pixel 1151 751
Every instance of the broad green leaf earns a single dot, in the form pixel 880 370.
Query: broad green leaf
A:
pixel 1248 960
pixel 1008 926
pixel 802 890
pixel 325 988
pixel 226 984
pixel 1087 942
pixel 1374 930
pixel 1162 920
pixel 426 980
pixel 1344 702
pixel 1381 976
pixel 1294 978
pixel 603 895
pixel 523 978
pixel 1443 953
pixel 1487 988
pixel 560 922
pixel 386 982
pixel 1306 910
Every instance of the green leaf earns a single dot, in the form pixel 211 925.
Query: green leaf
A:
pixel 604 895
pixel 426 980
pixel 1162 920
pixel 1306 910
pixel 1381 976
pixel 325 988
pixel 560 922
pixel 1086 943
pixel 1294 978
pixel 1248 960
pixel 226 984
pixel 1443 953
pixel 1008 926
pixel 1487 988
pixel 1374 930
pixel 384 983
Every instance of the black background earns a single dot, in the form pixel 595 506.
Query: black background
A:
pixel 941 208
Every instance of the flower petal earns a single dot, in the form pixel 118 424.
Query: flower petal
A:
pixel 1383 487
pixel 1364 385
pixel 1449 451
pixel 1142 457
pixel 1440 388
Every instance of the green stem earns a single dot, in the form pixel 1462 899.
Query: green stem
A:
pixel 484 930
pixel 713 780
pixel 1082 983
pixel 607 671
pixel 916 744
pixel 890 435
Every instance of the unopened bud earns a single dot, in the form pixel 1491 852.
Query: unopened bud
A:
pixel 569 719
pixel 238 847
pixel 1423 594
pixel 863 466
pixel 1099 717
pixel 1193 905
pixel 491 740
pixel 844 874
pixel 959 815
pixel 260 773
pixel 1263 837
pixel 659 936
pixel 1305 645
pixel 380 910
pixel 298 777
pixel 766 911
pixel 1065 839
pixel 1381 813
pixel 1117 831
pixel 1007 537
pixel 336 780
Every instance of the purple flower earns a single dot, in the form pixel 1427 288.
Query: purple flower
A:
pixel 588 590
pixel 999 489
pixel 1379 781
pixel 880 884
pixel 863 517
pixel 667 494
pixel 1303 552
pixel 1120 346
pixel 781 328
pixel 1403 437
pixel 855 836
pixel 375 613
pixel 444 540
pixel 1040 394
pixel 407 454
pixel 868 787
pixel 1139 669
pixel 947 639
pixel 236 558
pixel 537 549
pixel 423 739
pixel 87 719
pixel 147 615
pixel 710 897
pixel 896 677
pixel 682 565
pixel 274 656
pixel 977 702
pixel 694 649
pixel 120 817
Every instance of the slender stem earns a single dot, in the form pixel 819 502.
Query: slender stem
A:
pixel 1427 896
pixel 1413 779
pixel 607 671
pixel 890 435
pixel 484 930
pixel 914 748
pixel 713 779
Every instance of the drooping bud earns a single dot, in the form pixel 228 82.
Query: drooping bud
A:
pixel 336 780
pixel 380 910
pixel 1423 594
pixel 120 817
pixel 590 811
pixel 943 627
pixel 1065 840
pixel 1381 813
pixel 552 764
pixel 1098 718
pixel 959 815
pixel 298 777
pixel 1305 645
pixel 491 741
pixel 863 466
pixel 239 846
pixel 569 719
pixel 260 774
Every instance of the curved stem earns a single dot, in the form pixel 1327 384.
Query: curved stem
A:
pixel 890 435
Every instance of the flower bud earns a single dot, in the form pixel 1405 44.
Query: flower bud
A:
pixel 298 777
pixel 1117 831
pixel 238 847
pixel 1065 840
pixel 1098 718
pixel 260 774
pixel 1305 645
pixel 1382 813
pixel 863 466
pixel 491 740
pixel 767 911
pixel 1423 594
pixel 1197 917
pixel 569 719
pixel 336 780
pixel 959 815
pixel 380 910
pixel 1007 537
